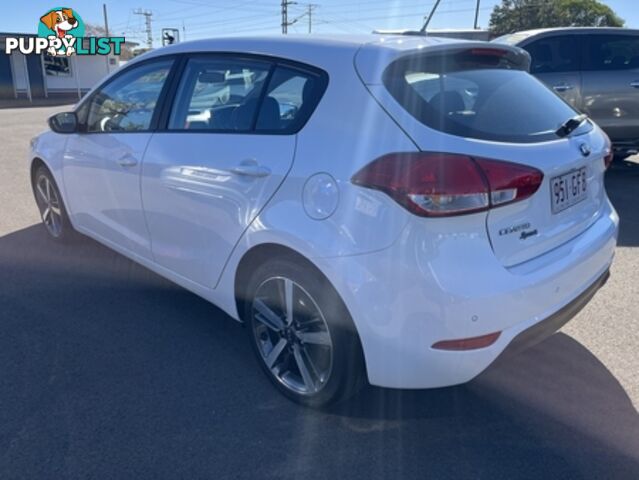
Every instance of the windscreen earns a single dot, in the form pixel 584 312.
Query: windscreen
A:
pixel 477 93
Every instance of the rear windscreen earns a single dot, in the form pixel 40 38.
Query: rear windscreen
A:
pixel 478 95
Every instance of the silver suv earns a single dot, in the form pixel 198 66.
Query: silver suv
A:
pixel 596 70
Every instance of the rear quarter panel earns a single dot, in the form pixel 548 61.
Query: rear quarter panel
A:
pixel 346 132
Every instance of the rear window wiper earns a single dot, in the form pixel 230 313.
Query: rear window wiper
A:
pixel 571 125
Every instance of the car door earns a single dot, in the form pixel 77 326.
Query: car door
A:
pixel 229 144
pixel 555 60
pixel 611 84
pixel 102 162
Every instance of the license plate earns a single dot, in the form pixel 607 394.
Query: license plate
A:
pixel 568 189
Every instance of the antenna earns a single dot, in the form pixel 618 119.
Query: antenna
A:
pixel 430 16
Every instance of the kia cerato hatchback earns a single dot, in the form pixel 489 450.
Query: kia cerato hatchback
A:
pixel 390 209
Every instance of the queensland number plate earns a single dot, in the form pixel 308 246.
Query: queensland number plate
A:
pixel 568 189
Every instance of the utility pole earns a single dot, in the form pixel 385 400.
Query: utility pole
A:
pixel 106 30
pixel 309 12
pixel 106 20
pixel 477 14
pixel 147 19
pixel 285 22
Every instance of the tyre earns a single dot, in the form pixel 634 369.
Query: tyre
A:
pixel 52 211
pixel 302 334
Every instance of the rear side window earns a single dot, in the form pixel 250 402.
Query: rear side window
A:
pixel 554 54
pixel 612 52
pixel 476 96
pixel 290 99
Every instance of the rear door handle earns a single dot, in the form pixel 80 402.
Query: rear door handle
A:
pixel 127 161
pixel 250 168
pixel 635 84
pixel 562 87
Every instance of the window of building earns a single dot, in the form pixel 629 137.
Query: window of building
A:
pixel 57 66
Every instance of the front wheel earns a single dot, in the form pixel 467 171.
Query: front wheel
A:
pixel 302 334
pixel 49 201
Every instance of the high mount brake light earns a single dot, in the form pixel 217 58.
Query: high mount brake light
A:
pixel 442 184
pixel 491 52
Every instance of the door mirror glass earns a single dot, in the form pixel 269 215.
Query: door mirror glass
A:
pixel 66 122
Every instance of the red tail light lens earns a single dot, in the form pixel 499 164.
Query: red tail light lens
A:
pixel 610 154
pixel 442 184
pixel 608 159
pixel 509 182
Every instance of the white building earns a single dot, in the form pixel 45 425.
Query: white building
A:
pixel 35 77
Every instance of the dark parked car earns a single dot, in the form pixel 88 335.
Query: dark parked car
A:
pixel 596 70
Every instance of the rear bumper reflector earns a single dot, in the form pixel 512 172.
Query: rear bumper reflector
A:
pixel 472 343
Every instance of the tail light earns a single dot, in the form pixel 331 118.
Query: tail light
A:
pixel 608 159
pixel 442 184
pixel 610 154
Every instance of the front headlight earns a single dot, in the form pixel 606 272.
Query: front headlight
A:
pixel 33 142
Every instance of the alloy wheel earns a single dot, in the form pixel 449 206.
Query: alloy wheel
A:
pixel 292 335
pixel 49 205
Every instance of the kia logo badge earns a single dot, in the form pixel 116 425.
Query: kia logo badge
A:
pixel 585 149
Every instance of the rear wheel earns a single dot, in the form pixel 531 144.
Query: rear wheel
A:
pixel 302 334
pixel 52 211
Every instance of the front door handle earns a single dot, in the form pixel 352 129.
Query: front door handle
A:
pixel 562 87
pixel 127 161
pixel 250 168
pixel 635 84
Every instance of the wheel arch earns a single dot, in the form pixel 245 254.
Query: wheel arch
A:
pixel 256 256
pixel 37 162
pixel 263 252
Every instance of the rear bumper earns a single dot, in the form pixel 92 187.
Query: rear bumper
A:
pixel 544 329
pixel 441 281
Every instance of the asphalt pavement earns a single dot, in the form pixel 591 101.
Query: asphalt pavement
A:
pixel 109 371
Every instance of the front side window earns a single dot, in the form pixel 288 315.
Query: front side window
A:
pixel 219 94
pixel 554 54
pixel 471 98
pixel 128 103
pixel 612 52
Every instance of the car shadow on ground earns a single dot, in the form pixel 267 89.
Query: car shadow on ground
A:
pixel 109 371
pixel 622 184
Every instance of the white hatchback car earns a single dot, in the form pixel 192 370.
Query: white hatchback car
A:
pixel 396 209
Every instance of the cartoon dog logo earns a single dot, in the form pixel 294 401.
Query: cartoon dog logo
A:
pixel 61 22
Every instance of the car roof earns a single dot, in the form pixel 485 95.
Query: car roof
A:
pixel 527 34
pixel 319 50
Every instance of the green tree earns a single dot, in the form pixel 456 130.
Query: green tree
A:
pixel 515 15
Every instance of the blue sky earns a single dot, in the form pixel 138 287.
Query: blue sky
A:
pixel 202 18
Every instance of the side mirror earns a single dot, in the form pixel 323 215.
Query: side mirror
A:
pixel 66 122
